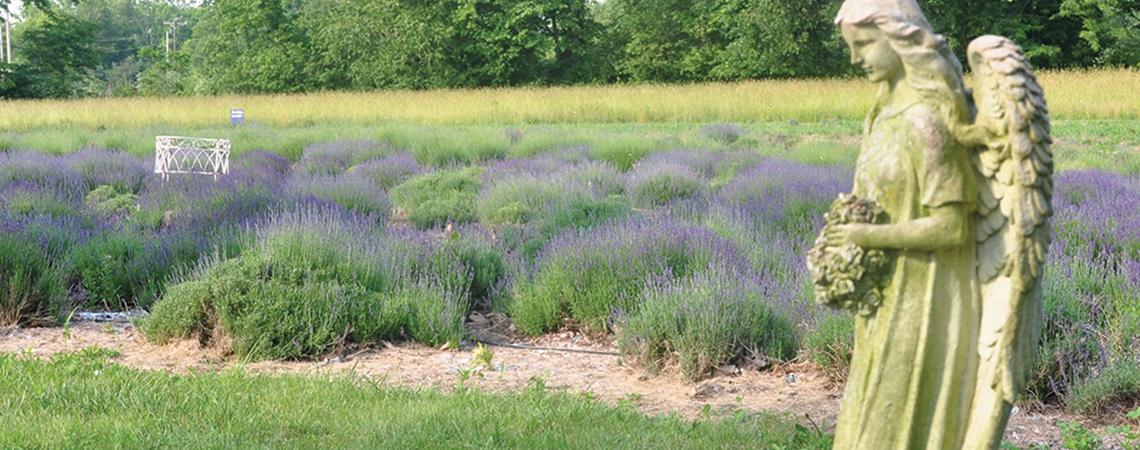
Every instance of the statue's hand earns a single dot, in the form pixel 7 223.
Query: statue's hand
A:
pixel 852 233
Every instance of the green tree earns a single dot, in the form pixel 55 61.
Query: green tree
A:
pixel 370 44
pixel 247 46
pixel 1110 27
pixel 58 57
pixel 1049 40
pixel 777 38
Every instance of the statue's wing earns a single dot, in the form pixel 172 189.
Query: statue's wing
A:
pixel 1016 166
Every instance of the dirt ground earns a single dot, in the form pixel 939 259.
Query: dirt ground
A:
pixel 568 361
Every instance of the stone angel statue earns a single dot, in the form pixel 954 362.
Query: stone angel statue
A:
pixel 961 190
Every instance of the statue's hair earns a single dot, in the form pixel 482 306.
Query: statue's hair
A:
pixel 931 68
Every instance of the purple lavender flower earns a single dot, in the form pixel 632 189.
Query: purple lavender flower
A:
pixel 591 273
pixel 390 171
pixel 351 191
pixel 335 157
pixel 659 183
pixel 126 173
pixel 792 195
pixel 47 172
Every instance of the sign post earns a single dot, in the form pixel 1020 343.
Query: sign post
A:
pixel 237 116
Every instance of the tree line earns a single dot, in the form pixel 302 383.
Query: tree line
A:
pixel 154 47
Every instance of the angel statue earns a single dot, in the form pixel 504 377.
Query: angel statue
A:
pixel 962 192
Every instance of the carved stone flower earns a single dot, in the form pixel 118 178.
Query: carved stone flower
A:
pixel 849 277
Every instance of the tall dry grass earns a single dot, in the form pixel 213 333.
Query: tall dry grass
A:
pixel 1095 94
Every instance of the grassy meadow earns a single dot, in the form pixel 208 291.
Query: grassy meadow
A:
pixel 1093 94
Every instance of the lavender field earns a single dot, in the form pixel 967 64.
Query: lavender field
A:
pixel 690 257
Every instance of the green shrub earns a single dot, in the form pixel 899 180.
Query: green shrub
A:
pixel 659 184
pixel 181 312
pixel 623 152
pixel 478 254
pixel 31 282
pixel 108 199
pixel 439 198
pixel 593 275
pixel 704 322
pixel 831 343
pixel 314 281
pixel 1119 381
pixel 579 213
pixel 117 270
pixel 35 202
pixel 519 200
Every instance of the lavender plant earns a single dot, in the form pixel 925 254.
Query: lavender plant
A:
pixel 601 178
pixel 438 198
pixel 351 191
pixel 702 322
pixel 658 184
pixel 123 172
pixel 723 133
pixel 790 196
pixel 334 158
pixel 33 281
pixel 595 275
pixel 50 173
pixel 316 278
pixel 390 171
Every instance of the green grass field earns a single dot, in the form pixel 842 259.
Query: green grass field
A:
pixel 1095 94
pixel 84 401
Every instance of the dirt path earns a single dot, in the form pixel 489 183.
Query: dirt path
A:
pixel 797 391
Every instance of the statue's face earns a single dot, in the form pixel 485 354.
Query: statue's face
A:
pixel 871 50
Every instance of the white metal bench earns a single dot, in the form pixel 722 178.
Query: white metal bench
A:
pixel 189 155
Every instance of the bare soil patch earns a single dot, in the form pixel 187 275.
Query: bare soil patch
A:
pixel 567 361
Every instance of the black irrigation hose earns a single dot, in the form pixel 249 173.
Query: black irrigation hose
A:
pixel 550 349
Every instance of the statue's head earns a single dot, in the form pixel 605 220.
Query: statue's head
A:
pixel 893 41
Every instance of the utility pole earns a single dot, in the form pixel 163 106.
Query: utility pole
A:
pixel 171 37
pixel 8 35
pixel 5 38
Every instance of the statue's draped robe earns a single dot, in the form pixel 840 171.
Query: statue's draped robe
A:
pixel 913 372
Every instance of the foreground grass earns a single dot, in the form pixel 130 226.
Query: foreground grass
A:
pixel 1097 94
pixel 84 401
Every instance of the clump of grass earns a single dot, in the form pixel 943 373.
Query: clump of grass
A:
pixel 655 185
pixel 32 280
pixel 119 270
pixel 439 198
pixel 830 343
pixel 705 321
pixel 316 279
pixel 623 151
pixel 722 133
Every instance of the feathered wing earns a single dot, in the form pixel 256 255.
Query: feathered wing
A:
pixel 1015 164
